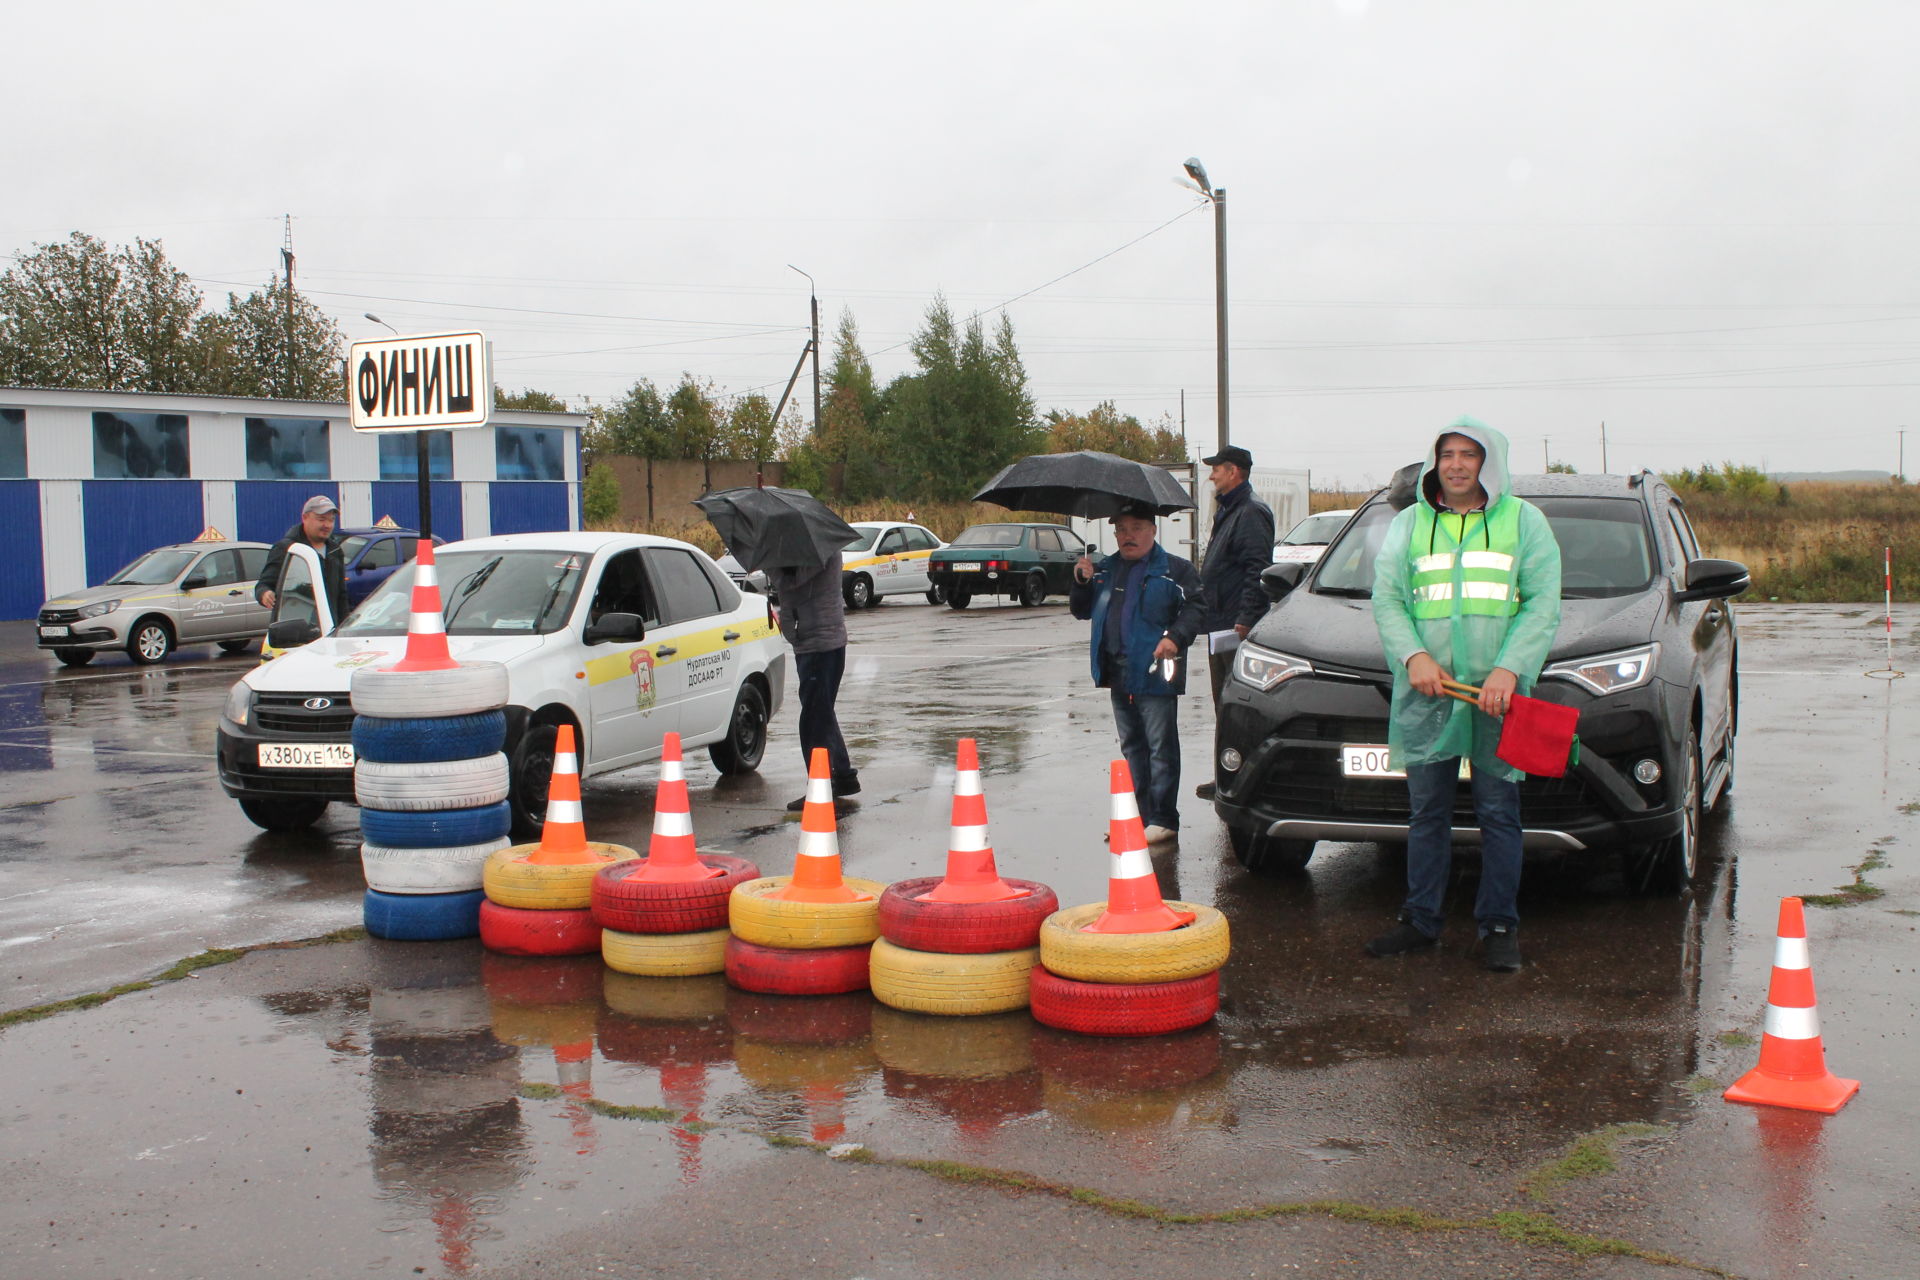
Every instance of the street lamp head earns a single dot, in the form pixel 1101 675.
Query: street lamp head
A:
pixel 382 323
pixel 1198 172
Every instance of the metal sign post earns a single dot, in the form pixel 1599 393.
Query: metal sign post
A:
pixel 420 383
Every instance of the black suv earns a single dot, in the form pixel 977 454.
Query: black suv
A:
pixel 1646 650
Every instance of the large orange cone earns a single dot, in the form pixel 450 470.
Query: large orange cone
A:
pixel 971 874
pixel 563 836
pixel 426 628
pixel 816 872
pixel 670 854
pixel 1793 1064
pixel 1133 892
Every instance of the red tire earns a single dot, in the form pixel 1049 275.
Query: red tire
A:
pixel 963 928
pixel 842 1019
pixel 1170 1061
pixel 541 980
pixel 1123 1008
pixel 520 931
pixel 816 971
pixel 679 906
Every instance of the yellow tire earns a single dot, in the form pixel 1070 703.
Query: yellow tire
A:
pixel 803 926
pixel 1187 952
pixel 665 955
pixel 954 985
pixel 511 881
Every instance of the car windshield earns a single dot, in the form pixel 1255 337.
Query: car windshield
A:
pixel 989 535
pixel 482 593
pixel 1604 548
pixel 862 542
pixel 153 569
pixel 1316 530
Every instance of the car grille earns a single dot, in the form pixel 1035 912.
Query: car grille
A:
pixel 55 616
pixel 1308 781
pixel 288 713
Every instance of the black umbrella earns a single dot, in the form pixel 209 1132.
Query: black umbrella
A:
pixel 776 528
pixel 1084 484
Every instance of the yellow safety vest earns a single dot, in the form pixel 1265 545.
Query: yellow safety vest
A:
pixel 1463 578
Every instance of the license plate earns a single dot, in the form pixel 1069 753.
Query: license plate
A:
pixel 304 755
pixel 56 631
pixel 1361 760
pixel 972 566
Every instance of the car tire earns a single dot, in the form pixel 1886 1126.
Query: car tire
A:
pixel 746 742
pixel 1066 949
pixel 804 926
pixel 238 646
pixel 963 928
pixel 421 739
pixel 514 931
pixel 936 595
pixel 436 829
pixel 665 955
pixel 448 869
pixel 283 815
pixel 422 917
pixel 1265 855
pixel 1033 590
pixel 1668 866
pixel 959 598
pixel 782 971
pixel 72 657
pixel 668 906
pixel 1123 1008
pixel 530 773
pixel 859 591
pixel 451 691
pixel 513 881
pixel 149 641
pixel 950 985
pixel 433 785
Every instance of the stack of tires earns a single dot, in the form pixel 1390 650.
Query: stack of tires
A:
pixel 1133 965
pixel 665 915
pixel 964 945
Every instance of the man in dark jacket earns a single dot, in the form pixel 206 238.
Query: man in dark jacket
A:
pixel 1239 547
pixel 316 528
pixel 813 617
pixel 1146 606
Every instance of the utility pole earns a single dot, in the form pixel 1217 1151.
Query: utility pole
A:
pixel 1902 465
pixel 813 312
pixel 1218 196
pixel 1603 448
pixel 286 260
pixel 1545 465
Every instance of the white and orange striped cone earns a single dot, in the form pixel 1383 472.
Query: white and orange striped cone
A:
pixel 1793 1063
pixel 426 627
pixel 563 836
pixel 1134 904
pixel 971 874
pixel 670 853
pixel 816 872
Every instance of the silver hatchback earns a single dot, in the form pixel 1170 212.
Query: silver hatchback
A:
pixel 187 593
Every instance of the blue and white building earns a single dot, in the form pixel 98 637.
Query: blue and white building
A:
pixel 91 479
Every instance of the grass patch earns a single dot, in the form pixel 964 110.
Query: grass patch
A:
pixel 1910 807
pixel 614 1111
pixel 1861 890
pixel 1736 1039
pixel 1589 1157
pixel 1701 1084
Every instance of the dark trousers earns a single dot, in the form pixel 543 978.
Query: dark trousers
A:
pixel 1150 743
pixel 1496 806
pixel 819 675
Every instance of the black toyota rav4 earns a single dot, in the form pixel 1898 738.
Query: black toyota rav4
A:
pixel 1646 650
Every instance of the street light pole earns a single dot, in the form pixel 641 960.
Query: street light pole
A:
pixel 1218 196
pixel 813 309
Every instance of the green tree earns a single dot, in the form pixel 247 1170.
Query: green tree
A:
pixel 751 427
pixel 601 497
pixel 1561 469
pixel 527 398
pixel 1108 430
pixel 636 424
pixel 696 424
pixel 964 414
pixel 844 444
pixel 267 348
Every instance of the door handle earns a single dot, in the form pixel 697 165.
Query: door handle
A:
pixel 236 591
pixel 729 636
pixel 665 651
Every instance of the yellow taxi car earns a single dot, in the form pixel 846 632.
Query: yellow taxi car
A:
pixel 889 558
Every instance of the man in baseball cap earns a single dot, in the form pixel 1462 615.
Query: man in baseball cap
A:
pixel 316 528
pixel 1239 547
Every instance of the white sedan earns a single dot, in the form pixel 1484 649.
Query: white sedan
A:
pixel 1306 541
pixel 889 558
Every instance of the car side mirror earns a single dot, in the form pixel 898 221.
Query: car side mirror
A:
pixel 1713 580
pixel 193 583
pixel 616 626
pixel 1279 579
pixel 291 633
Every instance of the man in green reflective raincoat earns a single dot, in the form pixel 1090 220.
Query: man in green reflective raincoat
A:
pixel 1466 587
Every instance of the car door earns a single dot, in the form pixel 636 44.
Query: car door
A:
pixel 695 653
pixel 201 612
pixel 250 616
pixel 227 582
pixel 376 563
pixel 1713 643
pixel 1055 560
pixel 631 713
pixel 913 563
pixel 890 569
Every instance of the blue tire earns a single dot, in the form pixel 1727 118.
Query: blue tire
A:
pixel 437 828
pixel 425 740
pixel 423 917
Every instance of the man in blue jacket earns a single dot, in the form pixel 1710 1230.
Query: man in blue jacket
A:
pixel 1147 606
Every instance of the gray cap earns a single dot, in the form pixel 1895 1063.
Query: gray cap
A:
pixel 319 505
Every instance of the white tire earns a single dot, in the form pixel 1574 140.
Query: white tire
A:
pixel 456 691
pixel 432 786
pixel 456 869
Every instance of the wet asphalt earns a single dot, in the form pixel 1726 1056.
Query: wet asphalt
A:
pixel 392 1108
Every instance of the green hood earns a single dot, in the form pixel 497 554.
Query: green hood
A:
pixel 1493 472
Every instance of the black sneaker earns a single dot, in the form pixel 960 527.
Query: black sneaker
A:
pixel 795 806
pixel 841 805
pixel 846 784
pixel 1500 949
pixel 1206 790
pixel 1400 939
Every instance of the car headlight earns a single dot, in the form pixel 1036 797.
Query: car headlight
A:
pixel 98 608
pixel 239 703
pixel 1264 668
pixel 1609 672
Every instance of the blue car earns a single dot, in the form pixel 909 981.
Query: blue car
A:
pixel 373 555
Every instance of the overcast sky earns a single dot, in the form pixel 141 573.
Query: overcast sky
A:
pixel 1692 220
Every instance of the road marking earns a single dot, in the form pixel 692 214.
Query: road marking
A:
pixel 97 748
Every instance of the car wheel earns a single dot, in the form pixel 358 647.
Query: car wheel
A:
pixel 936 594
pixel 1266 855
pixel 1033 590
pixel 859 591
pixel 530 774
pixel 283 815
pixel 238 646
pixel 74 657
pixel 959 598
pixel 746 741
pixel 149 642
pixel 1668 866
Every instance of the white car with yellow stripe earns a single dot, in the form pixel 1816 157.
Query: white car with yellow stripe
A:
pixel 625 636
pixel 889 558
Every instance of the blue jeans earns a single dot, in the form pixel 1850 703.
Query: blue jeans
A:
pixel 818 675
pixel 1150 742
pixel 1496 806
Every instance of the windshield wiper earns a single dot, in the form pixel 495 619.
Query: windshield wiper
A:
pixel 467 586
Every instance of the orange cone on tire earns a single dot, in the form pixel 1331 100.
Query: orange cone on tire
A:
pixel 816 872
pixel 971 874
pixel 1134 904
pixel 1793 1063
pixel 563 836
pixel 670 853
pixel 426 628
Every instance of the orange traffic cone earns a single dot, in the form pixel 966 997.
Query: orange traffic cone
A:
pixel 816 872
pixel 1133 893
pixel 971 874
pixel 1793 1064
pixel 670 854
pixel 563 836
pixel 426 628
